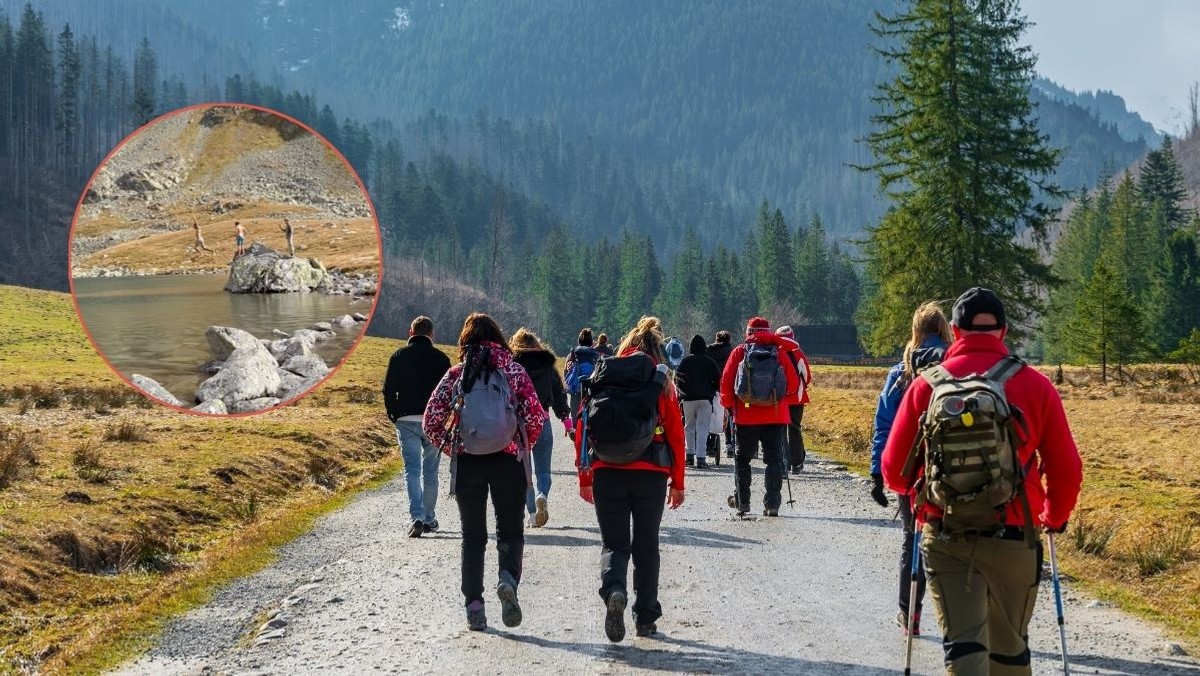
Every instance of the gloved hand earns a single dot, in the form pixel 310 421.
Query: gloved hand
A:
pixel 1057 530
pixel 568 428
pixel 877 490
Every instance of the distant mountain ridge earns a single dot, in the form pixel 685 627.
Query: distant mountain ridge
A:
pixel 1108 107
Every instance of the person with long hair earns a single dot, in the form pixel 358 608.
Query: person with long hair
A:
pixel 926 346
pixel 634 488
pixel 541 364
pixel 475 470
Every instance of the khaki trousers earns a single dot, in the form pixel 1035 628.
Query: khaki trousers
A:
pixel 983 589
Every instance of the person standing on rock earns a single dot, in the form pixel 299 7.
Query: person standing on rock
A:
pixel 758 378
pixel 198 245
pixel 983 558
pixel 239 238
pixel 926 346
pixel 485 414
pixel 542 366
pixel 796 403
pixel 289 232
pixel 413 372
pixel 698 381
pixel 628 474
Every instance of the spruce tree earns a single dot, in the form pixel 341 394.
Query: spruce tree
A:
pixel 145 75
pixel 959 153
pixel 1107 326
pixel 814 290
pixel 775 271
pixel 1161 183
pixel 67 113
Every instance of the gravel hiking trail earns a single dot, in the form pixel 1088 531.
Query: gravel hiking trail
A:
pixel 810 592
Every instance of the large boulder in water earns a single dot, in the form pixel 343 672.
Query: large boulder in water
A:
pixel 307 366
pixel 223 340
pixel 249 373
pixel 265 270
pixel 152 387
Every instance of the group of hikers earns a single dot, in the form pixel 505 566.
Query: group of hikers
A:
pixel 975 445
pixel 239 238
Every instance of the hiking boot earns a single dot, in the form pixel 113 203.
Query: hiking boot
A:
pixel 902 622
pixel 430 526
pixel 771 511
pixel 648 629
pixel 689 460
pixel 476 619
pixel 542 515
pixel 701 463
pixel 415 530
pixel 796 469
pixel 614 620
pixel 510 610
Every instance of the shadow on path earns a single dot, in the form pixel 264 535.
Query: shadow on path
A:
pixel 682 535
pixel 878 522
pixel 1114 665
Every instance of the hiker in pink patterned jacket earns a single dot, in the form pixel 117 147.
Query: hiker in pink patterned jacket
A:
pixel 504 471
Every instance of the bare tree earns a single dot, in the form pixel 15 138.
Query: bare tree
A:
pixel 1193 109
pixel 500 233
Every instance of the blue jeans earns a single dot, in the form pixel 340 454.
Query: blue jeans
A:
pixel 421 459
pixel 542 449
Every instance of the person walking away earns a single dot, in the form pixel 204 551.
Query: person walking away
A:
pixel 674 352
pixel 796 403
pixel 198 245
pixel 580 363
pixel 239 238
pixel 757 380
pixel 697 381
pixel 632 464
pixel 602 346
pixel 719 351
pixel 998 450
pixel 484 414
pixel 289 232
pixel 412 373
pixel 927 346
pixel 542 366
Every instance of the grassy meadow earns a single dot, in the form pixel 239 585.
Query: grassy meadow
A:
pixel 1132 540
pixel 116 514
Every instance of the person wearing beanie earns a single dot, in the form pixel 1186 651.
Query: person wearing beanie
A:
pixel 983 580
pixel 796 403
pixel 756 383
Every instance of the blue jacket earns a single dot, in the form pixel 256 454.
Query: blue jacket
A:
pixel 930 352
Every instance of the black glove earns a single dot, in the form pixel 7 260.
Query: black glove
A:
pixel 1057 531
pixel 877 490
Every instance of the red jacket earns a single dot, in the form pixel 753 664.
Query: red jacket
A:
pixel 1049 434
pixel 671 419
pixel 746 414
pixel 800 396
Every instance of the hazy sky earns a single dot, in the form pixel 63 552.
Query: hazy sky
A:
pixel 1147 51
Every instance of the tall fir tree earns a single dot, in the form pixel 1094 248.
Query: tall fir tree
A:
pixel 67 112
pixel 814 290
pixel 1161 184
pixel 959 153
pixel 145 77
pixel 1107 326
pixel 775 272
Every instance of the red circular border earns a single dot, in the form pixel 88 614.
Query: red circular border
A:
pixel 357 179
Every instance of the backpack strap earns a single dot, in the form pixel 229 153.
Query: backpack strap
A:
pixel 1004 369
pixel 936 375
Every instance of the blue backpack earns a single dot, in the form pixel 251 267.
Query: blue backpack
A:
pixel 582 367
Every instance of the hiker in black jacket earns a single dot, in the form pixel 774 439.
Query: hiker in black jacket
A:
pixel 719 351
pixel 698 381
pixel 413 372
pixel 542 366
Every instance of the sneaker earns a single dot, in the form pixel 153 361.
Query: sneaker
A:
pixel 743 509
pixel 614 620
pixel 530 523
pixel 476 619
pixel 771 511
pixel 902 622
pixel 689 460
pixel 701 463
pixel 430 526
pixel 796 469
pixel 648 629
pixel 415 530
pixel 542 515
pixel 510 610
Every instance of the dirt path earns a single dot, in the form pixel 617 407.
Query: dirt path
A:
pixel 811 592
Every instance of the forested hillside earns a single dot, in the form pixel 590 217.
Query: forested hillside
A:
pixel 1108 107
pixel 750 99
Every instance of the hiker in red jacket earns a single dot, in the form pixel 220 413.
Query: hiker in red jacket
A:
pixel 796 403
pixel 983 581
pixel 634 490
pixel 759 376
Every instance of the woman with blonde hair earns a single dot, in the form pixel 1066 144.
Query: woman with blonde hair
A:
pixel 484 414
pixel 926 346
pixel 629 449
pixel 541 364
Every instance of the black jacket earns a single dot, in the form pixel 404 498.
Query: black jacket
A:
pixel 719 352
pixel 697 377
pixel 543 371
pixel 413 372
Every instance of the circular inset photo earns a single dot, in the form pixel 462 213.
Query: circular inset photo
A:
pixel 224 259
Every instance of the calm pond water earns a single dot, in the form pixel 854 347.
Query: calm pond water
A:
pixel 155 325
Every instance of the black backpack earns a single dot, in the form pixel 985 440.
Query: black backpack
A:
pixel 622 408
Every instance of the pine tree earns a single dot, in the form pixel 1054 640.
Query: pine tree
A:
pixel 959 153
pixel 775 271
pixel 814 292
pixel 67 113
pixel 1107 326
pixel 1175 307
pixel 1131 245
pixel 1161 183
pixel 145 74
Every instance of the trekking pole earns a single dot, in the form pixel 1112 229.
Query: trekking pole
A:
pixel 1058 603
pixel 783 461
pixel 912 596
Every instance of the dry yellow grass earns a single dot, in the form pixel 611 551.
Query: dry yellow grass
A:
pixel 102 539
pixel 1141 477
pixel 350 244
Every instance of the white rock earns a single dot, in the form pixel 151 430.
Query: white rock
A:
pixel 307 366
pixel 151 387
pixel 249 373
pixel 215 406
pixel 223 340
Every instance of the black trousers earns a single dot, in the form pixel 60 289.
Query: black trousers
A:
pixel 504 476
pixel 906 518
pixel 795 435
pixel 770 437
pixel 622 495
